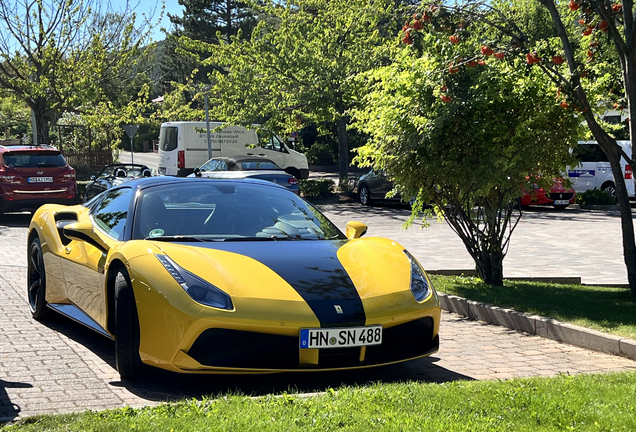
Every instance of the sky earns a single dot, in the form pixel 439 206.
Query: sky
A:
pixel 146 6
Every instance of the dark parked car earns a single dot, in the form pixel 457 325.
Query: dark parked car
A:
pixel 375 185
pixel 114 175
pixel 254 167
pixel 32 175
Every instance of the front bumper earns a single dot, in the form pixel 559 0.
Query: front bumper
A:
pixel 218 349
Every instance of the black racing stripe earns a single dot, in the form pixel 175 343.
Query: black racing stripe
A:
pixel 312 268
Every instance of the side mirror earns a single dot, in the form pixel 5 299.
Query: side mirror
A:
pixel 355 229
pixel 197 171
pixel 93 178
pixel 84 231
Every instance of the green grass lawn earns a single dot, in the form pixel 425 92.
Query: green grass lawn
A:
pixel 612 310
pixel 582 403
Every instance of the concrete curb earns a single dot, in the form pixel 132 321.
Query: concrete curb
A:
pixel 540 326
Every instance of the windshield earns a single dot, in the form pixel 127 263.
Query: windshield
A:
pixel 34 160
pixel 225 211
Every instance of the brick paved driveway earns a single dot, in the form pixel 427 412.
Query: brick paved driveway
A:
pixel 63 367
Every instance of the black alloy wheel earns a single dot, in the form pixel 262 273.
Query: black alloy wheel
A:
pixel 36 281
pixel 127 335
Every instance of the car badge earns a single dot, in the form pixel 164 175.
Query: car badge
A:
pixel 338 309
pixel 40 172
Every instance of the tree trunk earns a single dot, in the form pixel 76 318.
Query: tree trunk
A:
pixel 489 266
pixel 343 148
pixel 41 134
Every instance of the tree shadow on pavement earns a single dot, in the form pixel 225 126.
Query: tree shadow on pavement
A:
pixel 15 220
pixel 8 410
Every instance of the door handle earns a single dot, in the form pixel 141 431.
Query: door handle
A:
pixel 261 154
pixel 250 154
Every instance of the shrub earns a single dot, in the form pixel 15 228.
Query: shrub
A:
pixel 81 187
pixel 316 188
pixel 595 197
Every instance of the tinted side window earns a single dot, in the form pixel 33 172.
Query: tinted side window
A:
pixel 590 153
pixel 168 138
pixel 111 213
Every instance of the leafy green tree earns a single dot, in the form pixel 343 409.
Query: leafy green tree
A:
pixel 56 55
pixel 301 65
pixel 591 58
pixel 466 138
pixel 208 21
pixel 15 116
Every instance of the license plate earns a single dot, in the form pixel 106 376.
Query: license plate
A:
pixel 561 202
pixel 40 179
pixel 340 337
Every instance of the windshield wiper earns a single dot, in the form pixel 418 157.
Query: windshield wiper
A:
pixel 271 238
pixel 177 238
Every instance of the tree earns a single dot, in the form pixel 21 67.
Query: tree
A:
pixel 208 21
pixel 55 55
pixel 592 38
pixel 301 65
pixel 466 138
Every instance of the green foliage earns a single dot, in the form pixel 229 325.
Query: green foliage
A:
pixel 300 65
pixel 465 137
pixel 321 188
pixel 68 56
pixel 595 197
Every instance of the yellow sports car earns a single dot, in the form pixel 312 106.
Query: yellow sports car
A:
pixel 228 276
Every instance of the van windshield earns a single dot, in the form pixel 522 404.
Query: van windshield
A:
pixel 168 138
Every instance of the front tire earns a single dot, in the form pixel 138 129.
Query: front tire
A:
pixel 36 281
pixel 127 335
pixel 364 195
pixel 610 189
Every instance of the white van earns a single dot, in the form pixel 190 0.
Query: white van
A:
pixel 183 146
pixel 595 171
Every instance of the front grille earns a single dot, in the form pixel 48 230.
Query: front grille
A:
pixel 241 349
pixel 559 195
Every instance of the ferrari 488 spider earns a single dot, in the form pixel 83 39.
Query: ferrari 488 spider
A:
pixel 228 276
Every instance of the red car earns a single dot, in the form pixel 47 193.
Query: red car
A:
pixel 32 175
pixel 559 196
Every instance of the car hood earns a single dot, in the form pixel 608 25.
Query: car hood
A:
pixel 321 272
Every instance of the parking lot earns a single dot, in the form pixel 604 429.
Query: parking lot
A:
pixel 63 367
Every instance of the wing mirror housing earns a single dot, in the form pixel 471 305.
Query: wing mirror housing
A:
pixel 197 171
pixel 355 229
pixel 84 232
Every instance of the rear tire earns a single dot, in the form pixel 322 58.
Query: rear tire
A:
pixel 364 195
pixel 127 335
pixel 36 281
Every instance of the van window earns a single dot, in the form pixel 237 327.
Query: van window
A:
pixel 168 138
pixel 590 153
pixel 271 142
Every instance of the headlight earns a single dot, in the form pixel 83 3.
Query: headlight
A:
pixel 419 283
pixel 201 291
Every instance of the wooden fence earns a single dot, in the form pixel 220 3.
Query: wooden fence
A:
pixel 92 158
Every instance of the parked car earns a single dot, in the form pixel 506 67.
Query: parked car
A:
pixel 114 175
pixel 559 197
pixel 33 175
pixel 254 167
pixel 374 185
pixel 595 172
pixel 228 276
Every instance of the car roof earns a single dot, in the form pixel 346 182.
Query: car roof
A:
pixel 243 158
pixel 28 147
pixel 149 182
